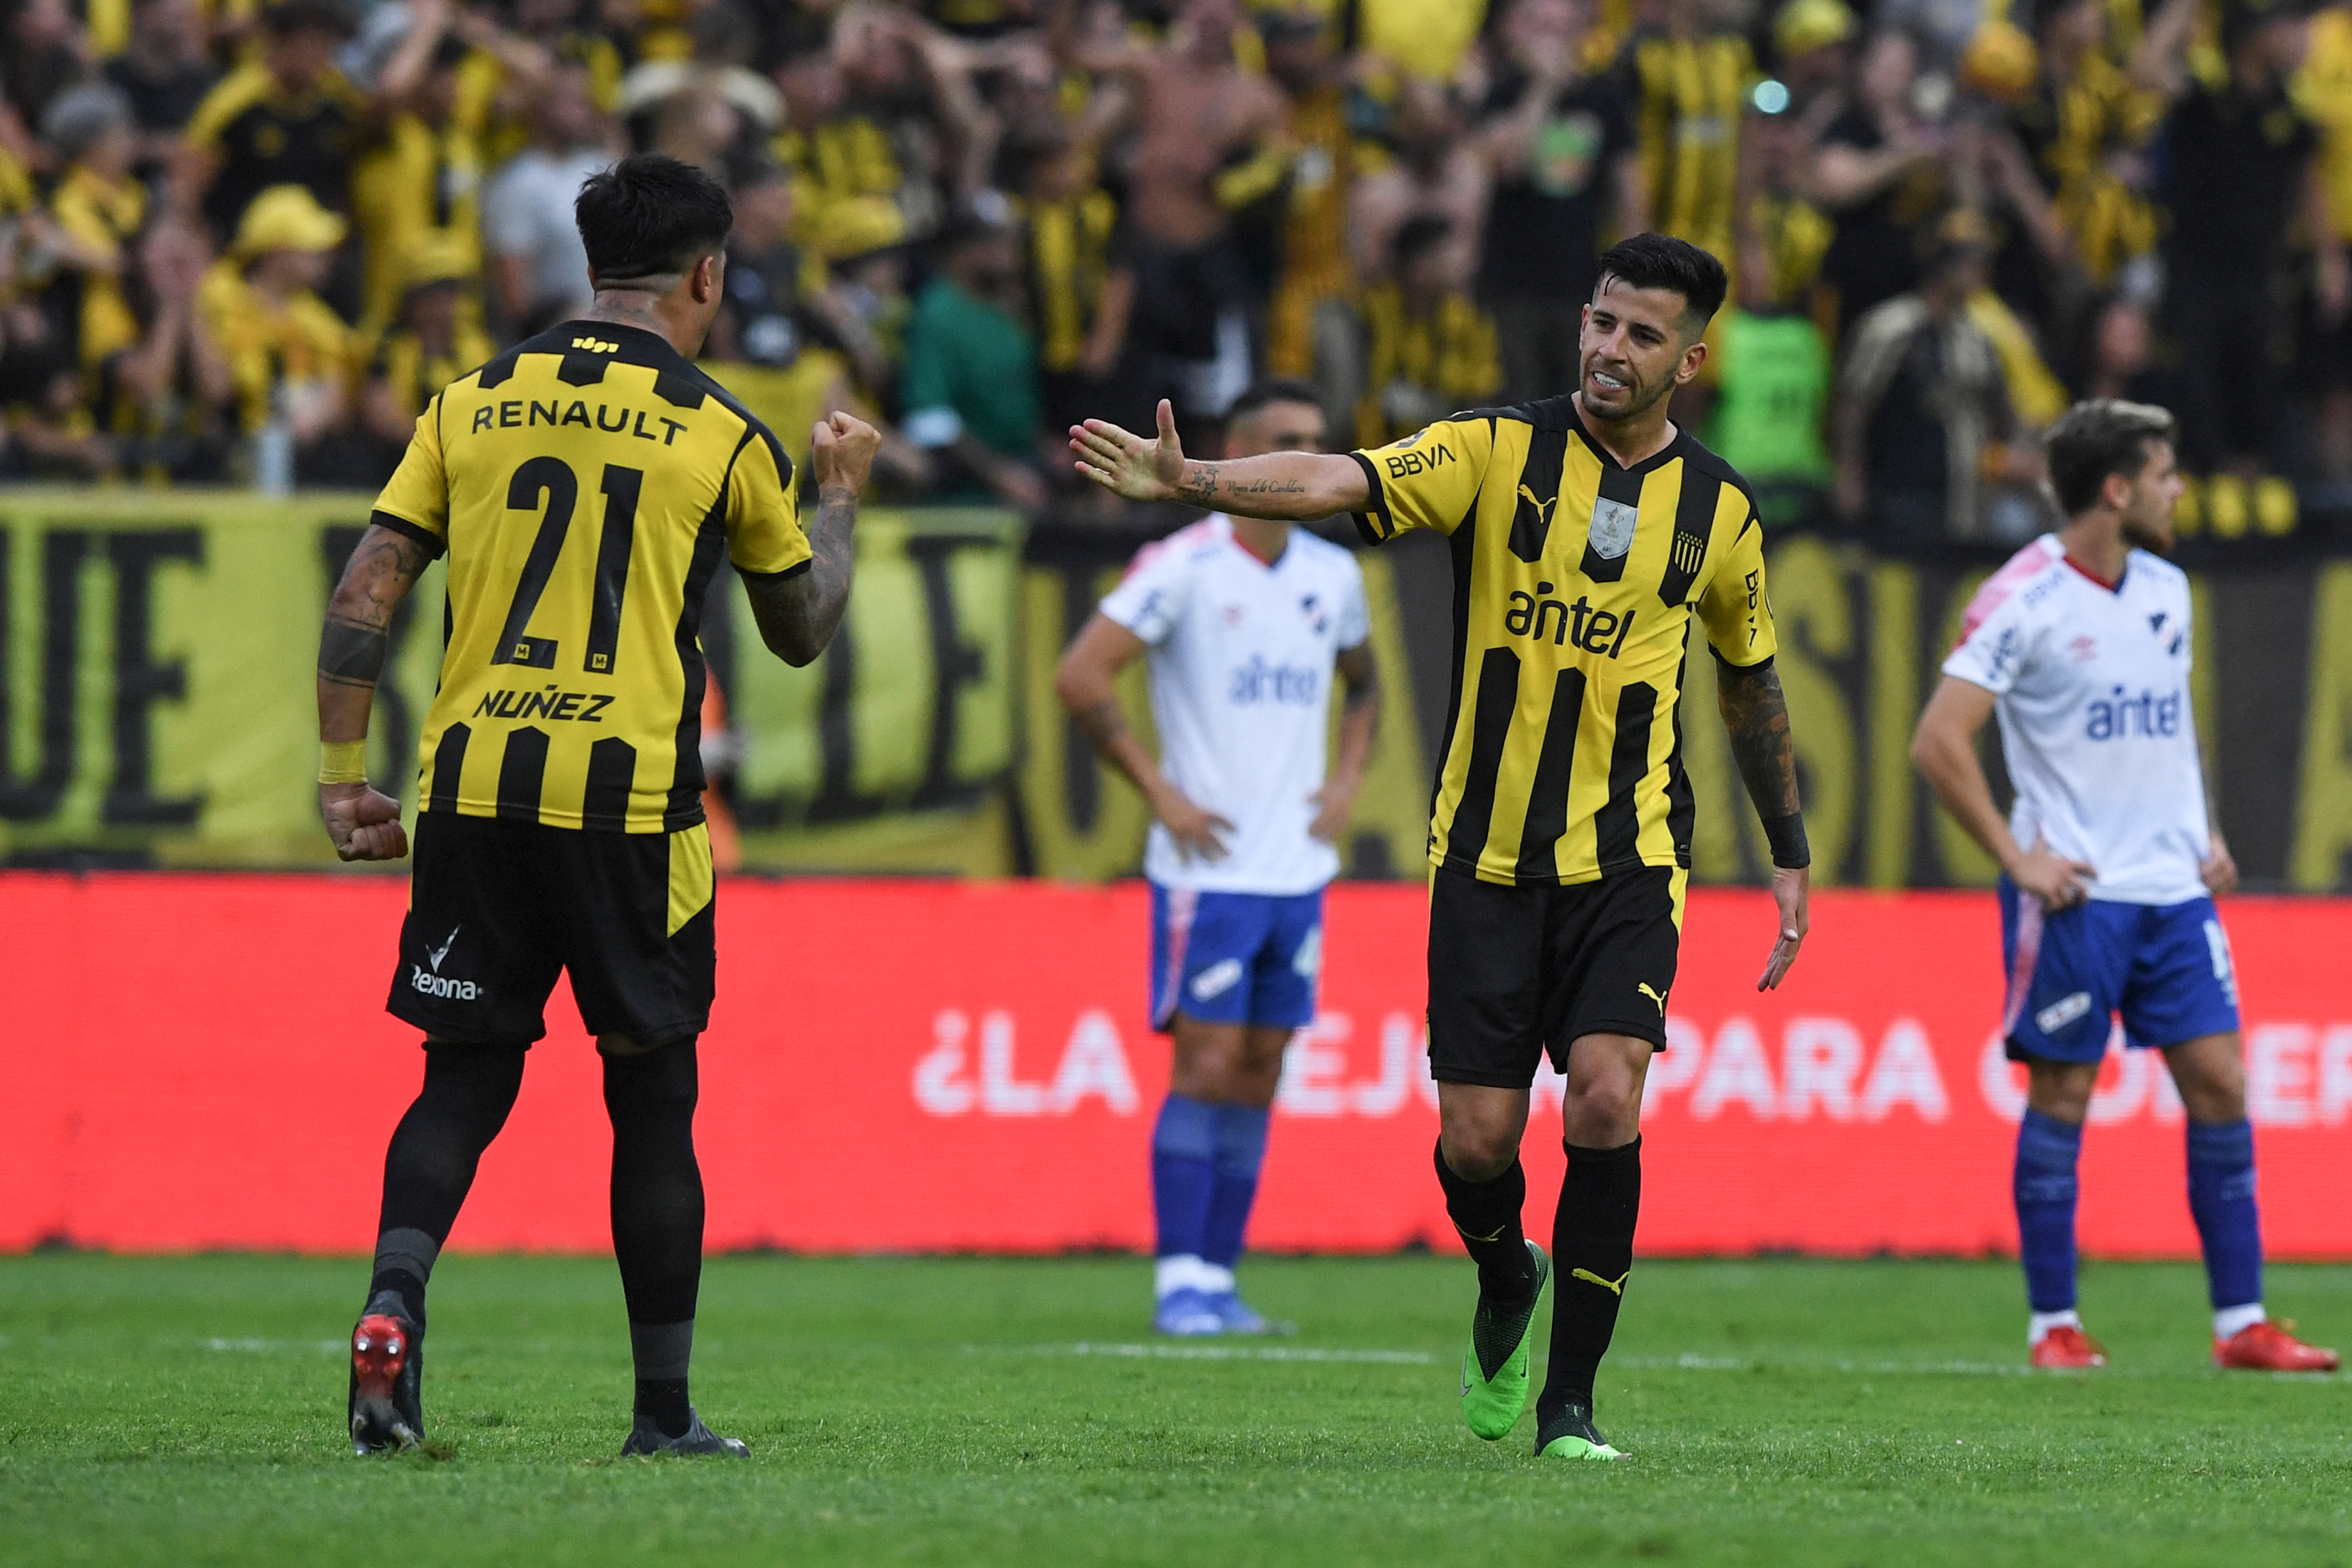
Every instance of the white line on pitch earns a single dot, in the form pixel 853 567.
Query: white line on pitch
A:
pixel 1220 1352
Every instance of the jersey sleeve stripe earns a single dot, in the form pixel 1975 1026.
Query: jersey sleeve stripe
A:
pixel 1385 529
pixel 786 575
pixel 434 543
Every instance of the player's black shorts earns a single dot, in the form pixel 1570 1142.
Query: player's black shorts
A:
pixel 1514 971
pixel 497 908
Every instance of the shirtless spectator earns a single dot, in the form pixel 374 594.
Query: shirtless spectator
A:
pixel 1200 113
pixel 1439 172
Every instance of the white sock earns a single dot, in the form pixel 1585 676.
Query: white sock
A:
pixel 2229 1321
pixel 1216 1278
pixel 1182 1272
pixel 2038 1326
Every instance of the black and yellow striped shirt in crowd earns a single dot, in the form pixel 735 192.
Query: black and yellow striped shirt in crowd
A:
pixel 586 485
pixel 1574 583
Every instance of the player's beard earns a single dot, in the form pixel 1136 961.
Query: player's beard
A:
pixel 1643 398
pixel 2141 534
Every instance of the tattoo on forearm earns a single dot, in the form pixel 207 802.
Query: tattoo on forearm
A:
pixel 799 615
pixel 1102 723
pixel 1199 483
pixel 1757 715
pixel 350 654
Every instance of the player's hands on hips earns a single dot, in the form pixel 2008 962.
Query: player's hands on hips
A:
pixel 2219 872
pixel 1127 465
pixel 1332 804
pixel 1194 829
pixel 2057 882
pixel 363 822
pixel 1791 890
pixel 842 451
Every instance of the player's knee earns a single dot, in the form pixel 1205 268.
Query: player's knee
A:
pixel 1477 1149
pixel 1602 1113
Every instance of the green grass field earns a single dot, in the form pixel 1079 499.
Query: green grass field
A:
pixel 187 1411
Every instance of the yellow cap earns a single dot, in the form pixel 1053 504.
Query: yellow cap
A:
pixel 2000 62
pixel 287 217
pixel 432 258
pixel 1806 25
pixel 855 226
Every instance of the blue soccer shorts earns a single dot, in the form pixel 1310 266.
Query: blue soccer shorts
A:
pixel 1235 958
pixel 2165 967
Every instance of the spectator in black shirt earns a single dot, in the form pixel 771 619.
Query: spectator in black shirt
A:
pixel 2243 168
pixel 1562 152
pixel 165 74
pixel 288 118
pixel 1878 175
pixel 45 53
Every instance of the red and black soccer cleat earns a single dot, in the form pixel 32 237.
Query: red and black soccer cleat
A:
pixel 2266 1346
pixel 387 1406
pixel 2068 1346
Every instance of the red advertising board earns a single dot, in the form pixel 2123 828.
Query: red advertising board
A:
pixel 197 1062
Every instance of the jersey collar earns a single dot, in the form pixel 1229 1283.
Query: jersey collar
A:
pixel 1658 459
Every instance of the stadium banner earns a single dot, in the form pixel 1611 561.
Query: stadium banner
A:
pixel 156 707
pixel 202 1061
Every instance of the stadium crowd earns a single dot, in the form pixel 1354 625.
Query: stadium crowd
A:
pixel 245 242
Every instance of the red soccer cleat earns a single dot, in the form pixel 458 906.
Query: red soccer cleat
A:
pixel 2069 1347
pixel 386 1408
pixel 2266 1346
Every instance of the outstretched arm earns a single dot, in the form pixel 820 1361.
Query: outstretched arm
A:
pixel 797 615
pixel 1757 715
pixel 1284 486
pixel 363 822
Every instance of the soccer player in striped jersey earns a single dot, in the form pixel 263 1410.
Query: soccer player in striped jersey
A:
pixel 584 486
pixel 1587 531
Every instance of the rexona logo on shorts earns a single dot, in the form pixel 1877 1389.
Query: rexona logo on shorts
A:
pixel 438 984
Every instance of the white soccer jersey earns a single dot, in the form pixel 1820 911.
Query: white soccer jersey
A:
pixel 2095 716
pixel 1240 662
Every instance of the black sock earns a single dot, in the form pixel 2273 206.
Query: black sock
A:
pixel 1486 1214
pixel 430 1163
pixel 1592 1256
pixel 657 1218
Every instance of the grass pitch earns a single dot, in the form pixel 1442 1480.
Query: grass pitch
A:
pixel 187 1411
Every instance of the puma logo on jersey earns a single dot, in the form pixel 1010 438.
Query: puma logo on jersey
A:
pixel 1543 509
pixel 596 345
pixel 1657 997
pixel 1615 1287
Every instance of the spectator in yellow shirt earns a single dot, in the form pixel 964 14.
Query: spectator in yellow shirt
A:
pixel 97 206
pixel 166 398
pixel 420 178
pixel 288 352
pixel 435 340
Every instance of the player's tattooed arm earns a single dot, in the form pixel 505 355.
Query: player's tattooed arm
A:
pixel 357 636
pixel 363 824
pixel 798 614
pixel 1757 715
pixel 1295 486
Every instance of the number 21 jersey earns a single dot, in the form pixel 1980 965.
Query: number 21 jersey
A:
pixel 586 485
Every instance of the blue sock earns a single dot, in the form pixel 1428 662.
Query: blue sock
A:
pixel 2221 1196
pixel 2044 1188
pixel 1183 1173
pixel 1241 1151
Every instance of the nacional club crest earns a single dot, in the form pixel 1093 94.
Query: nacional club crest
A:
pixel 1612 533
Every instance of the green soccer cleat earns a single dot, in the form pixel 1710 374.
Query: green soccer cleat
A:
pixel 1570 1435
pixel 1495 1367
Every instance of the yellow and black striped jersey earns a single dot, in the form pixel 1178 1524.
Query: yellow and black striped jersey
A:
pixel 1574 583
pixel 586 485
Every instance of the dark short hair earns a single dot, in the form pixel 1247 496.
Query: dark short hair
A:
pixel 649 216
pixel 1662 261
pixel 1268 390
pixel 2092 440
pixel 289 17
